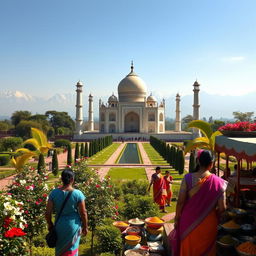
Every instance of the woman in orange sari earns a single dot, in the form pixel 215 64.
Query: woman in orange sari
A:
pixel 200 203
pixel 159 188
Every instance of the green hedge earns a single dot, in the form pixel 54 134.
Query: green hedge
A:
pixel 4 159
pixel 61 143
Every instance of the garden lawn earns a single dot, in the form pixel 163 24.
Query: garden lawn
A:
pixel 121 174
pixel 102 156
pixel 153 155
pixel 6 173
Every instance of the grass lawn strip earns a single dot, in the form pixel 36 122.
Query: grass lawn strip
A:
pixel 102 156
pixel 153 155
pixel 122 174
pixel 121 153
pixel 6 173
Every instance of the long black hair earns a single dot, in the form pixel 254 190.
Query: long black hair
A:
pixel 67 176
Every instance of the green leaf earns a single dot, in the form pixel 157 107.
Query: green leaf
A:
pixel 204 127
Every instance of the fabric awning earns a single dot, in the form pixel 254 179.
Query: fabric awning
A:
pixel 241 148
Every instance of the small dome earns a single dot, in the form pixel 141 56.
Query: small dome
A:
pixel 132 88
pixel 79 83
pixel 196 83
pixel 112 98
pixel 151 98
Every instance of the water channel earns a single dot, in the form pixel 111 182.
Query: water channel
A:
pixel 130 154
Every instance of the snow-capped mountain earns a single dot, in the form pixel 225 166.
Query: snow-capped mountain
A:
pixel 211 105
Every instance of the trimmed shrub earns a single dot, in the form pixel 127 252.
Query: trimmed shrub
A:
pixel 180 167
pixel 82 150
pixel 55 164
pixel 109 239
pixel 135 187
pixel 136 206
pixel 41 163
pixel 69 155
pixel 4 159
pixel 77 154
pixel 86 150
pixel 61 143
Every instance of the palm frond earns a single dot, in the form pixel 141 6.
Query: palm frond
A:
pixel 204 127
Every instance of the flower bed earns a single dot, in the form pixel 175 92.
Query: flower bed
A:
pixel 239 129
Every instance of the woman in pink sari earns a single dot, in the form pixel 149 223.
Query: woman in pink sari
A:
pixel 200 203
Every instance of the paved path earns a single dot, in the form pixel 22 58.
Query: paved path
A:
pixel 62 160
pixel 111 161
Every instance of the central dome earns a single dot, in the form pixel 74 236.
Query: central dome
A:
pixel 132 88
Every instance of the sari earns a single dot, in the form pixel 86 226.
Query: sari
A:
pixel 159 189
pixel 198 218
pixel 68 227
pixel 168 180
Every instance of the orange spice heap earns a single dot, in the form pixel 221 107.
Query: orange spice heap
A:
pixel 231 224
pixel 155 220
pixel 247 247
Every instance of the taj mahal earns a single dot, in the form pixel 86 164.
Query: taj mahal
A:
pixel 131 114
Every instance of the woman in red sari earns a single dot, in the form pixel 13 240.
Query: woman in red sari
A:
pixel 159 188
pixel 200 203
pixel 168 180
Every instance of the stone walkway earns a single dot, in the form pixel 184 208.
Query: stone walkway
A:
pixel 62 160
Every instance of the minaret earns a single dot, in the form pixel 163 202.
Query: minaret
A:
pixel 196 106
pixel 90 114
pixel 177 120
pixel 79 108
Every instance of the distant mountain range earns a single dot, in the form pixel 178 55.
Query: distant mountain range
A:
pixel 216 106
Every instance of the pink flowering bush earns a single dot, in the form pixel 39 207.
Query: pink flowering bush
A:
pixel 239 126
pixel 12 225
pixel 30 188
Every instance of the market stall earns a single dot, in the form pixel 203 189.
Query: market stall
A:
pixel 242 149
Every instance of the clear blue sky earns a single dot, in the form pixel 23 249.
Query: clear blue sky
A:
pixel 47 45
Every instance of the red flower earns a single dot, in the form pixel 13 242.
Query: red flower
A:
pixel 97 186
pixel 44 195
pixel 14 232
pixel 7 222
pixel 37 203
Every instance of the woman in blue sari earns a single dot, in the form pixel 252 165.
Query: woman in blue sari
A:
pixel 73 219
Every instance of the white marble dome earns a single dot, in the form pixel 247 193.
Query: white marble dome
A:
pixel 151 98
pixel 132 88
pixel 112 98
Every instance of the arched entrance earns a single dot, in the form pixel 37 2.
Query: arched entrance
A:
pixel 132 122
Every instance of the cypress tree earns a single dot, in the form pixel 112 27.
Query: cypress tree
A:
pixel 55 164
pixel 167 157
pixel 174 158
pixel 82 150
pixel 41 163
pixel 192 163
pixel 90 149
pixel 86 150
pixel 181 162
pixel 69 155
pixel 77 151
